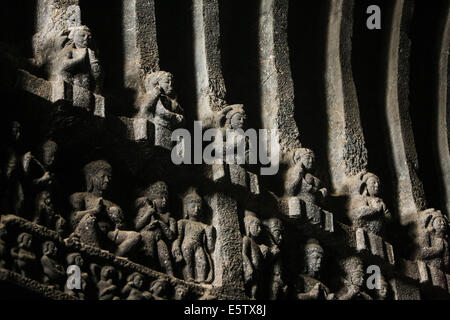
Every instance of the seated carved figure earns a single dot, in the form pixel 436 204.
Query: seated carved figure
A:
pixel 134 289
pixel 353 281
pixel 434 247
pixel 253 255
pixel 181 292
pixel 308 286
pixel 195 241
pixel 159 289
pixel 97 221
pixel 75 259
pixel 76 62
pixel 107 284
pixel 24 259
pixel 54 273
pixel 366 209
pixel 156 226
pixel 160 101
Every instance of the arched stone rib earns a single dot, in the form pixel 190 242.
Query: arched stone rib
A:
pixel 409 194
pixel 276 85
pixel 347 153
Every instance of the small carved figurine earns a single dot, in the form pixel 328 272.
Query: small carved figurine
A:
pixel 45 213
pixel 278 287
pixel 195 241
pixel 353 281
pixel 98 221
pixel 107 287
pixel 308 285
pixel 232 121
pixel 181 292
pixel 77 260
pixel 159 289
pixel 134 289
pixel 54 273
pixel 24 259
pixel 156 226
pixel 367 210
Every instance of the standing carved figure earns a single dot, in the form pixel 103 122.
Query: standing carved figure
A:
pixel 367 210
pixel 195 241
pixel 97 221
pixel 76 62
pixel 54 272
pixel 156 226
pixel 434 247
pixel 353 281
pixel 24 259
pixel 308 286
pixel 278 287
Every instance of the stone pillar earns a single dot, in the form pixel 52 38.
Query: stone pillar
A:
pixel 276 85
pixel 347 154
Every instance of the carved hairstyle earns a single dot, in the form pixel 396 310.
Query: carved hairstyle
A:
pixel 351 263
pixel 228 112
pixel 157 190
pixel 248 220
pixel 92 168
pixel 71 258
pixel 363 178
pixel 152 79
pixel 48 145
pixel 164 283
pixel 312 245
pixel 428 217
pixel 105 271
pixel 191 196
pixel 46 245
pixel 23 235
pixel 301 152
pixel 132 276
pixel 76 29
pixel 274 223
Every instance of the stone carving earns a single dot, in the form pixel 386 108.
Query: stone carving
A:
pixel 195 241
pixel 434 243
pixel 299 182
pixel 3 247
pixel 54 273
pixel 107 284
pixel 278 287
pixel 156 226
pixel 232 119
pixel 134 289
pixel 353 281
pixel 24 259
pixel 159 289
pixel 97 221
pixel 45 213
pixel 253 255
pixel 366 209
pixel 308 286
pixel 181 292
pixel 76 259
pixel 384 292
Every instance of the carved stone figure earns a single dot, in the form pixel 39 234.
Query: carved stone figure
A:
pixel 308 286
pixel 434 242
pixel 156 226
pixel 367 210
pixel 97 221
pixel 77 63
pixel 195 241
pixel 40 172
pixel 253 254
pixel 160 104
pixel 181 292
pixel 76 259
pixel 107 286
pixel 353 281
pixel 278 287
pixel 54 273
pixel 299 182
pixel 3 247
pixel 383 293
pixel 45 213
pixel 24 259
pixel 134 289
pixel 232 121
pixel 159 289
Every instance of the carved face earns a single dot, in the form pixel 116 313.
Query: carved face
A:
pixel 138 281
pixel 180 293
pixel 254 228
pixel 82 38
pixel 307 161
pixel 49 155
pixel 107 273
pixel 161 203
pixel 166 85
pixel 237 121
pixel 194 208
pixel 384 289
pixel 26 241
pixel 78 260
pixel 159 288
pixel 440 225
pixel 314 262
pixel 102 180
pixel 373 186
pixel 357 275
pixel 277 234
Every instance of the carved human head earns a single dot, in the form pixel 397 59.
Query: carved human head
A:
pixel 108 272
pixel 98 175
pixel 81 37
pixel 75 258
pixel 16 131
pixel 158 193
pixel 181 292
pixel 276 229
pixel 49 248
pixel 369 184
pixel 160 287
pixel 383 291
pixel 137 279
pixel 435 221
pixel 49 151
pixel 313 257
pixel 192 205
pixel 353 268
pixel 161 79
pixel 25 240
pixel 233 117
pixel 304 157
pixel 253 225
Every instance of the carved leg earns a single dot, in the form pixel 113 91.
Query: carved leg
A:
pixel 201 265
pixel 189 258
pixel 126 240
pixel 164 257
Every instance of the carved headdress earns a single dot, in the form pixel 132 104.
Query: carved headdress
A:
pixel 92 168
pixel 228 112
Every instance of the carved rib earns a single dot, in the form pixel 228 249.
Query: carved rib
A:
pixel 443 109
pixel 347 154
pixel 409 193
